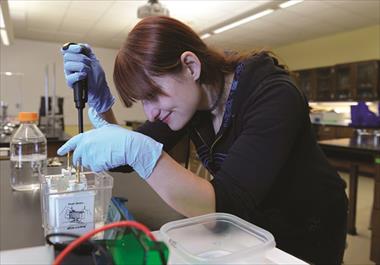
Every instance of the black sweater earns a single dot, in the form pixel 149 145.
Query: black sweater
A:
pixel 267 166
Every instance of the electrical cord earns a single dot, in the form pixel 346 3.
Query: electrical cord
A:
pixel 61 246
pixel 90 234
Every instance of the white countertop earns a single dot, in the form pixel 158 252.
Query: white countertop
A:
pixel 45 255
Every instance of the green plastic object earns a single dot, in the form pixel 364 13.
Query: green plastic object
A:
pixel 134 248
pixel 129 246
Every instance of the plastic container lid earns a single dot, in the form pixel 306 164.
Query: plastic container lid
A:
pixel 27 116
pixel 217 238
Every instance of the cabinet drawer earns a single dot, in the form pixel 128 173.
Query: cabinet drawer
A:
pixel 326 132
pixel 344 132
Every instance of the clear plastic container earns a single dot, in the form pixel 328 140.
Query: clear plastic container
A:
pixel 28 154
pixel 218 238
pixel 72 207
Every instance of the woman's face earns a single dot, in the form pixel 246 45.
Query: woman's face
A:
pixel 183 94
pixel 179 104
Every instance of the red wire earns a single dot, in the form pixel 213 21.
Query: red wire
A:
pixel 90 234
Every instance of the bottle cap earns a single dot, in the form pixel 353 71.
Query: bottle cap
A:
pixel 27 116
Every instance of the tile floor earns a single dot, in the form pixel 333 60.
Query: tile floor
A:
pixel 358 247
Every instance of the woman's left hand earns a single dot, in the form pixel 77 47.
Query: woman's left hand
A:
pixel 109 146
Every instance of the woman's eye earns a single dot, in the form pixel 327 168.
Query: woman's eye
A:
pixel 152 98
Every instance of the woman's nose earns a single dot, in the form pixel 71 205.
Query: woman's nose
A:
pixel 151 111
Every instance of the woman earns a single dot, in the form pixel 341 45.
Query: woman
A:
pixel 249 123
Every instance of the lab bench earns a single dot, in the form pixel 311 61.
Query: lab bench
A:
pixel 333 132
pixel 356 155
pixel 20 212
pixel 21 232
pixel 44 255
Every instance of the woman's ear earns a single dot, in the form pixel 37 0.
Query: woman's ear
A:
pixel 191 63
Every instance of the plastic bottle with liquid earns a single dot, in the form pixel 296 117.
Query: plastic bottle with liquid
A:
pixel 28 154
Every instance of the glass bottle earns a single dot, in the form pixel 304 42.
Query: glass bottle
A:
pixel 28 154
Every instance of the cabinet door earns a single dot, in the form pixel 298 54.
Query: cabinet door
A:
pixel 344 81
pixel 344 132
pixel 326 132
pixel 324 84
pixel 367 82
pixel 305 80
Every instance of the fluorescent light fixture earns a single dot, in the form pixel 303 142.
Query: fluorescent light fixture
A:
pixel 11 73
pixel 290 3
pixel 204 36
pixel 2 24
pixel 4 37
pixel 243 21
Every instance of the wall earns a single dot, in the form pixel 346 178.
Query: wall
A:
pixel 357 45
pixel 30 57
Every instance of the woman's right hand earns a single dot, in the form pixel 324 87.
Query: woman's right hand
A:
pixel 78 66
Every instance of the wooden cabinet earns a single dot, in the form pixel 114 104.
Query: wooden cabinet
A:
pixel 342 82
pixel 326 132
pixel 344 78
pixel 324 83
pixel 305 80
pixel 367 80
pixel 344 132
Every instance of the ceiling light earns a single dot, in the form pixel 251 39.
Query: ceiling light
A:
pixel 8 73
pixel 4 37
pixel 290 3
pixel 205 36
pixel 243 21
pixel 2 24
pixel 152 8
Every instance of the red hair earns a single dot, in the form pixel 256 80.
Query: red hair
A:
pixel 153 48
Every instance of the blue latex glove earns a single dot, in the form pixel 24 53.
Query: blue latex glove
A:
pixel 109 146
pixel 78 66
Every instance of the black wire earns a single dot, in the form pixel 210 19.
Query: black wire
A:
pixel 61 246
